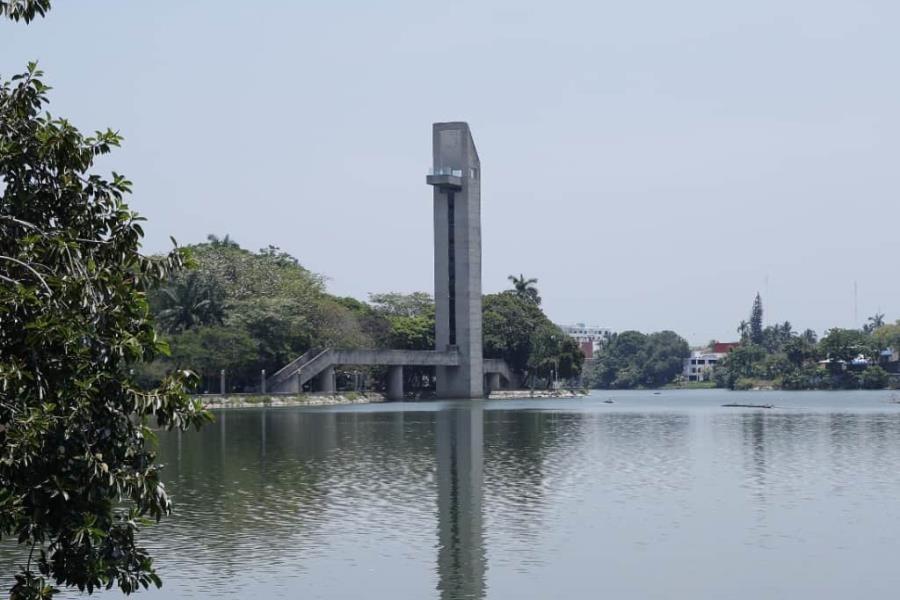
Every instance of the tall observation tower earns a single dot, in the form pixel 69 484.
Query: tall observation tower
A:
pixel 456 178
pixel 457 358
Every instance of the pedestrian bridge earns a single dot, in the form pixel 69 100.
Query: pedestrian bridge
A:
pixel 317 365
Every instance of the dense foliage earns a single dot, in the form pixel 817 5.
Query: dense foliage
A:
pixel 777 356
pixel 243 311
pixel 632 359
pixel 77 475
pixel 517 330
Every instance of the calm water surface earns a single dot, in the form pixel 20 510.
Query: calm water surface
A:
pixel 653 496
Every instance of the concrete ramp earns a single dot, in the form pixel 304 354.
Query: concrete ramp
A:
pixel 319 364
pixel 315 363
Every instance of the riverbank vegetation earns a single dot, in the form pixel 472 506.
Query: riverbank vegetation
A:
pixel 776 356
pixel 245 312
pixel 632 359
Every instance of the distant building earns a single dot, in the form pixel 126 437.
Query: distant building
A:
pixel 699 366
pixel 589 337
pixel 724 347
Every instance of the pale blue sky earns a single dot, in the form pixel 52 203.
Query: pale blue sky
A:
pixel 652 163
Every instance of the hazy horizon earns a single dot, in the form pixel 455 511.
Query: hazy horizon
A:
pixel 653 165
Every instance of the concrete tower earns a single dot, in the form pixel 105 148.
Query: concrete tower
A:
pixel 456 178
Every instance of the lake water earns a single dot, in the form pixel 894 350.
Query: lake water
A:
pixel 652 496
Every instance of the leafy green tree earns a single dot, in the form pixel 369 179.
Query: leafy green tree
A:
pixel 756 321
pixel 615 367
pixel 666 351
pixel 887 336
pixel 632 359
pixel 874 378
pixel 776 336
pixel 77 475
pixel 798 350
pixel 845 345
pixel 208 350
pixel 412 332
pixel 526 288
pixel 515 329
pixel 373 324
pixel 743 362
pixel 507 325
pixel 809 376
pixel 776 366
pixel 395 304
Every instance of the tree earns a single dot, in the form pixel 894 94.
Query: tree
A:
pixel 756 321
pixel 798 350
pixel 188 302
pixel 395 304
pixel 208 350
pixel 226 241
pixel 742 362
pixel 24 10
pixel 874 378
pixel 508 322
pixel 633 359
pixel 517 330
pixel 526 288
pixel 666 351
pixel 875 321
pixel 412 332
pixel 776 336
pixel 887 336
pixel 76 472
pixel 845 345
pixel 810 336
pixel 744 330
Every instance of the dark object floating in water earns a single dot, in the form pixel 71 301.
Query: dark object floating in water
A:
pixel 608 401
pixel 657 393
pixel 735 405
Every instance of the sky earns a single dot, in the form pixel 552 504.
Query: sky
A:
pixel 652 163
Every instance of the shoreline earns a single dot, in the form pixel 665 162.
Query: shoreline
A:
pixel 214 402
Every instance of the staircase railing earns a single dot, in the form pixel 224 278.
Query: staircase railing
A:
pixel 289 369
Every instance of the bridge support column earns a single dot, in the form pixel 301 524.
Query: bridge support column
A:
pixel 325 381
pixel 395 383
pixel 291 385
pixel 493 382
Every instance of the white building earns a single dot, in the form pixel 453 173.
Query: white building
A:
pixel 700 365
pixel 589 337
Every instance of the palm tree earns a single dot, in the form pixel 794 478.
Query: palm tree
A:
pixel 191 302
pixel 874 323
pixel 226 241
pixel 525 288
pixel 744 330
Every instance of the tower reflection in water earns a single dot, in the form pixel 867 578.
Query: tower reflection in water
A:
pixel 461 561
